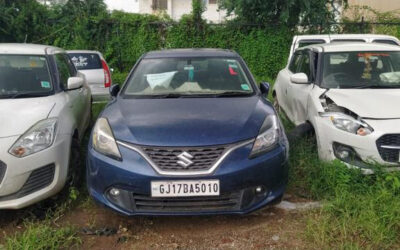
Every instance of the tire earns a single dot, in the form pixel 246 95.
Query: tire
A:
pixel 276 104
pixel 276 201
pixel 74 176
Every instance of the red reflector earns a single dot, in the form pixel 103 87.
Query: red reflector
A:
pixel 107 75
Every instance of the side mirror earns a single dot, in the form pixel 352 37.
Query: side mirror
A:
pixel 75 83
pixel 299 78
pixel 264 87
pixel 114 90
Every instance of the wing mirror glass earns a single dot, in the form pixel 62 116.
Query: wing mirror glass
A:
pixel 75 83
pixel 114 90
pixel 299 78
pixel 264 87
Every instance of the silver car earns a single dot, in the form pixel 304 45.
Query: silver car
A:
pixel 93 65
pixel 44 111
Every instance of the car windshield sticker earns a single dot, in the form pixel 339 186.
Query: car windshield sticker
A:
pixel 245 87
pixel 79 61
pixel 190 68
pixel 161 79
pixel 232 68
pixel 45 84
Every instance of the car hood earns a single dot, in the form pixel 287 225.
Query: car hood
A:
pixel 187 121
pixel 368 103
pixel 18 115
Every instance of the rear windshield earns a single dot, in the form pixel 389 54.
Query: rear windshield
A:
pixel 86 60
pixel 188 76
pixel 361 69
pixel 24 76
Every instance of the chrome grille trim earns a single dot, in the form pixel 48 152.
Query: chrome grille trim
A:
pixel 140 151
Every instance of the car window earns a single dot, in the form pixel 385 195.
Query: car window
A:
pixel 361 69
pixel 64 70
pixel 348 40
pixel 71 66
pixel 303 43
pixel 86 61
pixel 305 66
pixel 24 74
pixel 188 76
pixel 294 64
pixel 385 41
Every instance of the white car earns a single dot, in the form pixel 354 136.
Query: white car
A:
pixel 350 94
pixel 305 40
pixel 95 68
pixel 44 111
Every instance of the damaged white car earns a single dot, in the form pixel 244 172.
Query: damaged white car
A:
pixel 349 94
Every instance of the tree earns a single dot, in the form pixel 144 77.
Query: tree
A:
pixel 287 12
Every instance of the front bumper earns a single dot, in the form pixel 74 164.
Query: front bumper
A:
pixel 365 146
pixel 238 176
pixel 35 177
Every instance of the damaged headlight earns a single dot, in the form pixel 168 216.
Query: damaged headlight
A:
pixel 348 123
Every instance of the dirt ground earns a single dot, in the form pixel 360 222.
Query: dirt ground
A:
pixel 268 228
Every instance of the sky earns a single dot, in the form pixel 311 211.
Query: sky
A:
pixel 125 5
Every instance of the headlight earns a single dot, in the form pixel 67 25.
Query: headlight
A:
pixel 348 123
pixel 37 138
pixel 103 139
pixel 268 137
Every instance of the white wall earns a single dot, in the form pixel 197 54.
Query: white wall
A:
pixel 176 8
pixel 131 6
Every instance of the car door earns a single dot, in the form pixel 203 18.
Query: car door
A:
pixel 283 84
pixel 75 98
pixel 298 94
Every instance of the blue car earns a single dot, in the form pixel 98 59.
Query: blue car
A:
pixel 189 133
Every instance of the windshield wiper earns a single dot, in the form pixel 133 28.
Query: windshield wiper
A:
pixel 27 94
pixel 373 86
pixel 233 93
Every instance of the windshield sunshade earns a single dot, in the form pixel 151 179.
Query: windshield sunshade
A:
pixel 24 76
pixel 188 76
pixel 361 69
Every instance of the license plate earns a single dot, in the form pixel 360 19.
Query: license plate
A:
pixel 184 188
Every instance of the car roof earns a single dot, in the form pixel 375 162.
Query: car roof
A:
pixel 345 46
pixel 346 36
pixel 28 49
pixel 169 53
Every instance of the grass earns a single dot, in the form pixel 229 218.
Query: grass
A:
pixel 43 236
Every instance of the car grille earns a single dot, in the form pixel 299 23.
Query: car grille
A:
pixel 224 202
pixel 38 179
pixel 3 168
pixel 389 155
pixel 203 158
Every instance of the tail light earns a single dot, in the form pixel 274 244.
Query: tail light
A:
pixel 107 75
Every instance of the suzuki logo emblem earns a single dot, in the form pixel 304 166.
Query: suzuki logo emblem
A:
pixel 184 159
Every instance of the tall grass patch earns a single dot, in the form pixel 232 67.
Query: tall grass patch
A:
pixel 360 211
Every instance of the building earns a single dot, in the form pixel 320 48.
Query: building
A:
pixel 174 8
pixel 357 9
pixel 378 5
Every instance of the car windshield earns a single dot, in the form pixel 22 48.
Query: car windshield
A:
pixel 24 76
pixel 188 77
pixel 83 61
pixel 361 69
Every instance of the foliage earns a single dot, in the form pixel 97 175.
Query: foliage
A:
pixel 290 12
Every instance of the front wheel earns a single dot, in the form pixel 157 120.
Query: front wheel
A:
pixel 276 104
pixel 74 169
